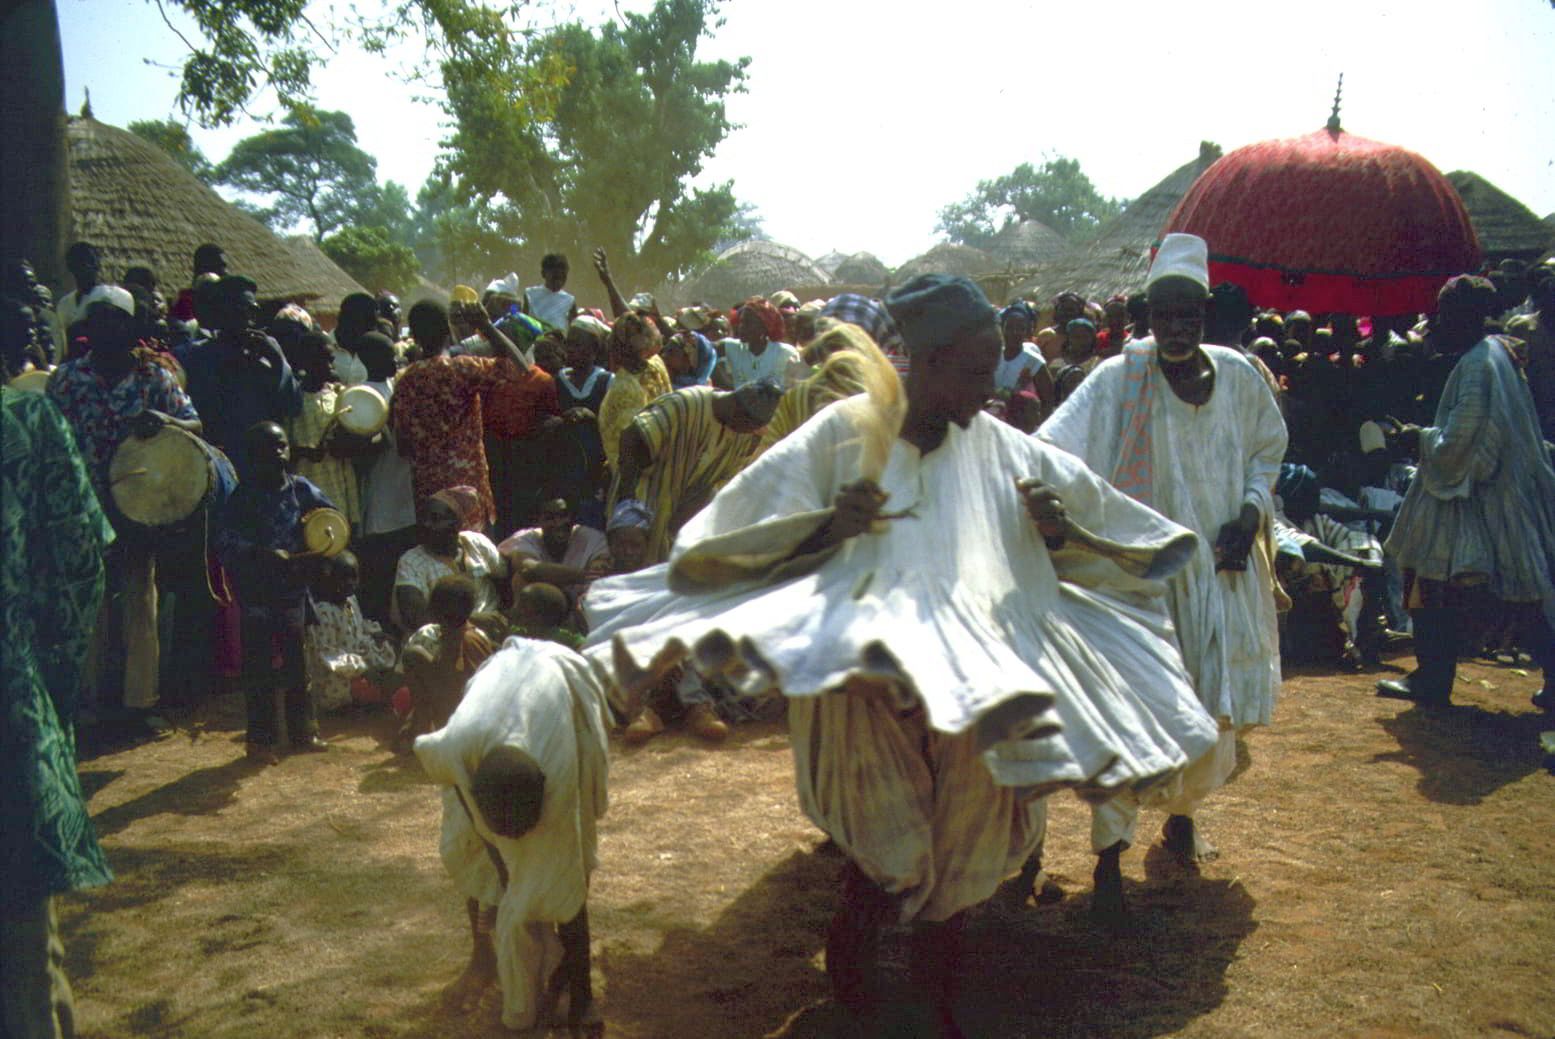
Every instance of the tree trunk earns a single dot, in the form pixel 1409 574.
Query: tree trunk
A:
pixel 34 175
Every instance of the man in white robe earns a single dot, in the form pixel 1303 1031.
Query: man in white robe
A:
pixel 525 761
pixel 947 662
pixel 1193 431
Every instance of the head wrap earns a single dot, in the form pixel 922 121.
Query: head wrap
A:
pixel 1020 308
pixel 783 298
pixel 1298 315
pixel 507 286
pixel 870 315
pixel 694 318
pixel 110 294
pixel 293 312
pixel 1080 322
pixel 771 320
pixel 590 324
pixel 932 309
pixel 642 301
pixel 521 328
pixel 466 503
pixel 630 512
pixel 1181 256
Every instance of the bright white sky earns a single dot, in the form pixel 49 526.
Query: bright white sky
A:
pixel 863 119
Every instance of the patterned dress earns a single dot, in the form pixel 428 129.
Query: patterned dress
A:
pixel 437 413
pixel 51 585
pixel 99 411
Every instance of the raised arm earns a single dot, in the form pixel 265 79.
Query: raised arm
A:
pixel 602 268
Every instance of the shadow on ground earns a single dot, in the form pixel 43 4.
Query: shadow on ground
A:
pixel 1464 753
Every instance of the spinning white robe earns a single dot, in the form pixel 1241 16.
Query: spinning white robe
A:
pixel 548 701
pixel 942 677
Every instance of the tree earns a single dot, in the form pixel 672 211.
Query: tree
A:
pixel 173 138
pixel 1057 193
pixel 310 167
pixel 373 257
pixel 604 158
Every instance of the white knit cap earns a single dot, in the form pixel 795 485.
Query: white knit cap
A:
pixel 1181 256
pixel 120 298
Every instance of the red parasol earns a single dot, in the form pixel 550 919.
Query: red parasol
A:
pixel 1330 223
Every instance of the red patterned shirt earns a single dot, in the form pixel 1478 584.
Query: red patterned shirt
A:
pixel 437 414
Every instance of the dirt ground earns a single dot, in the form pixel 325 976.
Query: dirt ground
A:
pixel 1386 871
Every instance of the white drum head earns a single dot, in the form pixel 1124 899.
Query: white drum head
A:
pixel 326 532
pixel 361 411
pixel 161 479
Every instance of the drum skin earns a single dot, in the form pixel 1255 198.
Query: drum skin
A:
pixel 361 411
pixel 163 479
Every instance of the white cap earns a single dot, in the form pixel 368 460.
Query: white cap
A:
pixel 120 298
pixel 1372 438
pixel 1181 256
pixel 507 286
pixel 641 301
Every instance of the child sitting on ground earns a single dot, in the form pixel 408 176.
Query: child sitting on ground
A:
pixel 540 611
pixel 345 650
pixel 440 657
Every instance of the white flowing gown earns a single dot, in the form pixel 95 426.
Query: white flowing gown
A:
pixel 944 671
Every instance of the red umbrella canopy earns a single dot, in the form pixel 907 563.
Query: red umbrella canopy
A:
pixel 1330 223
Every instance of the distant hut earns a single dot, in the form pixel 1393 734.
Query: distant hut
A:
pixel 140 207
pixel 861 269
pixel 947 258
pixel 751 269
pixel 1118 257
pixel 1506 227
pixel 1027 244
pixel 831 261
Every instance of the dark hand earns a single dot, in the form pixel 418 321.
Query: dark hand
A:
pixel 601 264
pixel 1235 541
pixel 1045 507
pixel 578 415
pixel 1406 439
pixel 146 424
pixel 856 507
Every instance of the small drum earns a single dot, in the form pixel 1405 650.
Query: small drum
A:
pixel 167 477
pixel 361 411
pixel 35 381
pixel 325 532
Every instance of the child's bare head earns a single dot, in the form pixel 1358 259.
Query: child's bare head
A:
pixel 452 601
pixel 509 791
pixel 540 606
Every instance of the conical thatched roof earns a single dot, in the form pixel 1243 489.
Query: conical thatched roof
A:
pixel 139 206
pixel 831 261
pixel 1505 226
pixel 1027 244
pixel 861 269
pixel 752 269
pixel 1118 258
pixel 947 258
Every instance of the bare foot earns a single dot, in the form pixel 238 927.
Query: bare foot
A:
pixel 464 994
pixel 1182 838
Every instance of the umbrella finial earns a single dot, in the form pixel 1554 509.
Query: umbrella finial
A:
pixel 1333 117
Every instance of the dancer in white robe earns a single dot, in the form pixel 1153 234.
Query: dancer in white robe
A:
pixel 542 704
pixel 1193 431
pixel 946 666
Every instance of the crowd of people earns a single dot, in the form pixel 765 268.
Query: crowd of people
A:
pixel 1064 544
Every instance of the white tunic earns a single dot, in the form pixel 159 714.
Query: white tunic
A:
pixel 961 677
pixel 548 701
pixel 1205 462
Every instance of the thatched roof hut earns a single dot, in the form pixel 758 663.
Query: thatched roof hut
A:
pixel 1505 226
pixel 861 269
pixel 751 269
pixel 139 206
pixel 947 258
pixel 1027 244
pixel 830 261
pixel 1118 258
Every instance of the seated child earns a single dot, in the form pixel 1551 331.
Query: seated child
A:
pixel 344 647
pixel 524 762
pixel 259 540
pixel 540 611
pixel 440 657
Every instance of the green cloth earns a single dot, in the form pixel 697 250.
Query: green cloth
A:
pixel 51 586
